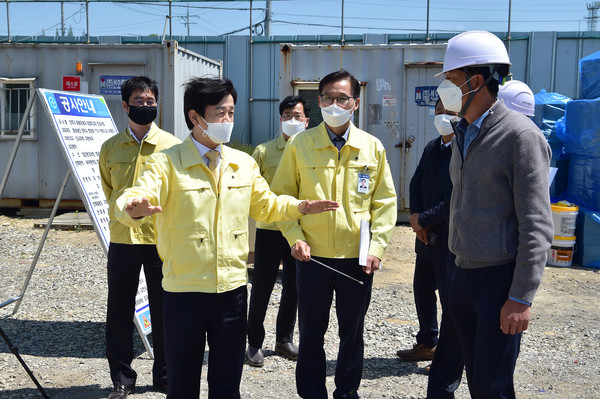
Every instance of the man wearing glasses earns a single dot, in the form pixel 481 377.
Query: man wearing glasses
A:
pixel 271 249
pixel 330 162
pixel 121 160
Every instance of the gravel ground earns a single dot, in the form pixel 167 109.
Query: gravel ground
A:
pixel 59 328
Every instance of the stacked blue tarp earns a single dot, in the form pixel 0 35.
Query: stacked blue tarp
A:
pixel 589 76
pixel 579 130
pixel 549 108
pixel 587 252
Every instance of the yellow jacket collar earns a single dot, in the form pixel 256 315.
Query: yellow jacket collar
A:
pixel 190 155
pixel 281 142
pixel 151 137
pixel 323 140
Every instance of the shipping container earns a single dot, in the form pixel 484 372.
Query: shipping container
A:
pixel 397 97
pixel 39 166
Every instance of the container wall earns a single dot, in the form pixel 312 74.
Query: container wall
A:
pixel 39 166
pixel 397 97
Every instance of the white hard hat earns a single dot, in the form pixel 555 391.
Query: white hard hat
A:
pixel 517 96
pixel 476 47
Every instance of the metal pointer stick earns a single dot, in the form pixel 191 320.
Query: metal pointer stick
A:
pixel 337 271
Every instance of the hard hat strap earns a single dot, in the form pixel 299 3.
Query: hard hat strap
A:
pixel 472 93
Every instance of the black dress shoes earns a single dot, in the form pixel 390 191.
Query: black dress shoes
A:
pixel 121 391
pixel 287 349
pixel 255 357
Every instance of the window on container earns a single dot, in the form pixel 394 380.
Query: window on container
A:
pixel 310 91
pixel 14 97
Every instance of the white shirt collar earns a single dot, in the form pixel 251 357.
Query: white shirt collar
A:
pixel 202 149
pixel 135 138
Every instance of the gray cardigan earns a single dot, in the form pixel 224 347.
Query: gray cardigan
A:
pixel 500 205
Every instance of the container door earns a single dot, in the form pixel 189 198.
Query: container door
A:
pixel 106 80
pixel 419 102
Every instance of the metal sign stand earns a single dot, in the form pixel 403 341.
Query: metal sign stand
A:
pixel 17 300
pixel 13 349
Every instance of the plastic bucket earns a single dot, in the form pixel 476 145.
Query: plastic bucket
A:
pixel 564 216
pixel 561 251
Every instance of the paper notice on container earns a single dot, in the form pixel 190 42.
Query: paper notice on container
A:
pixel 365 240
pixel 389 100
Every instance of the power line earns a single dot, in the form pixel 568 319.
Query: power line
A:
pixel 355 27
pixel 418 19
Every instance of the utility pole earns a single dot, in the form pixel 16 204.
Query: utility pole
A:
pixel 62 18
pixel 592 18
pixel 342 35
pixel 427 33
pixel 508 37
pixel 268 15
pixel 170 18
pixel 8 22
pixel 188 18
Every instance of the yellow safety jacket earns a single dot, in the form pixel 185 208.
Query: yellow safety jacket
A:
pixel 312 168
pixel 121 161
pixel 202 232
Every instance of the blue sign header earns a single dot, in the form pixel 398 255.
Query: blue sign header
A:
pixel 77 105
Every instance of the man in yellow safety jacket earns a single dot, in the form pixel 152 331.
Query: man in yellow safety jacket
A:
pixel 121 160
pixel 203 192
pixel 339 162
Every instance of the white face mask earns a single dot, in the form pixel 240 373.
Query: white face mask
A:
pixel 335 116
pixel 442 124
pixel 293 126
pixel 217 132
pixel 451 95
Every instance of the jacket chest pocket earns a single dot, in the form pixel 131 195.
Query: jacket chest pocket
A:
pixel 190 192
pixel 238 192
pixel 121 168
pixel 360 183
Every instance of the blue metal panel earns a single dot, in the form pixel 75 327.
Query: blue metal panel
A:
pixel 235 67
pixel 265 114
pixel 566 76
pixel 540 60
pixel 519 58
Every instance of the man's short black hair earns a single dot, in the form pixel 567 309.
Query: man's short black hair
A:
pixel 142 83
pixel 291 102
pixel 484 70
pixel 340 75
pixel 200 92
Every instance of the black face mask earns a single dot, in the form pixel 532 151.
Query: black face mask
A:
pixel 142 115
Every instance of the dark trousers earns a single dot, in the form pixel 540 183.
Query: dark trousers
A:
pixel 190 319
pixel 124 264
pixel 316 285
pixel 430 274
pixel 475 298
pixel 270 249
pixel 447 366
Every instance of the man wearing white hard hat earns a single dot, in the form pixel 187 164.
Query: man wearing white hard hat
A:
pixel 518 97
pixel 500 217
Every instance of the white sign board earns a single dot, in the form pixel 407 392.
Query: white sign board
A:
pixel 82 122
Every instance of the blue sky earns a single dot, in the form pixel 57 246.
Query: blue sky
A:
pixel 295 17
